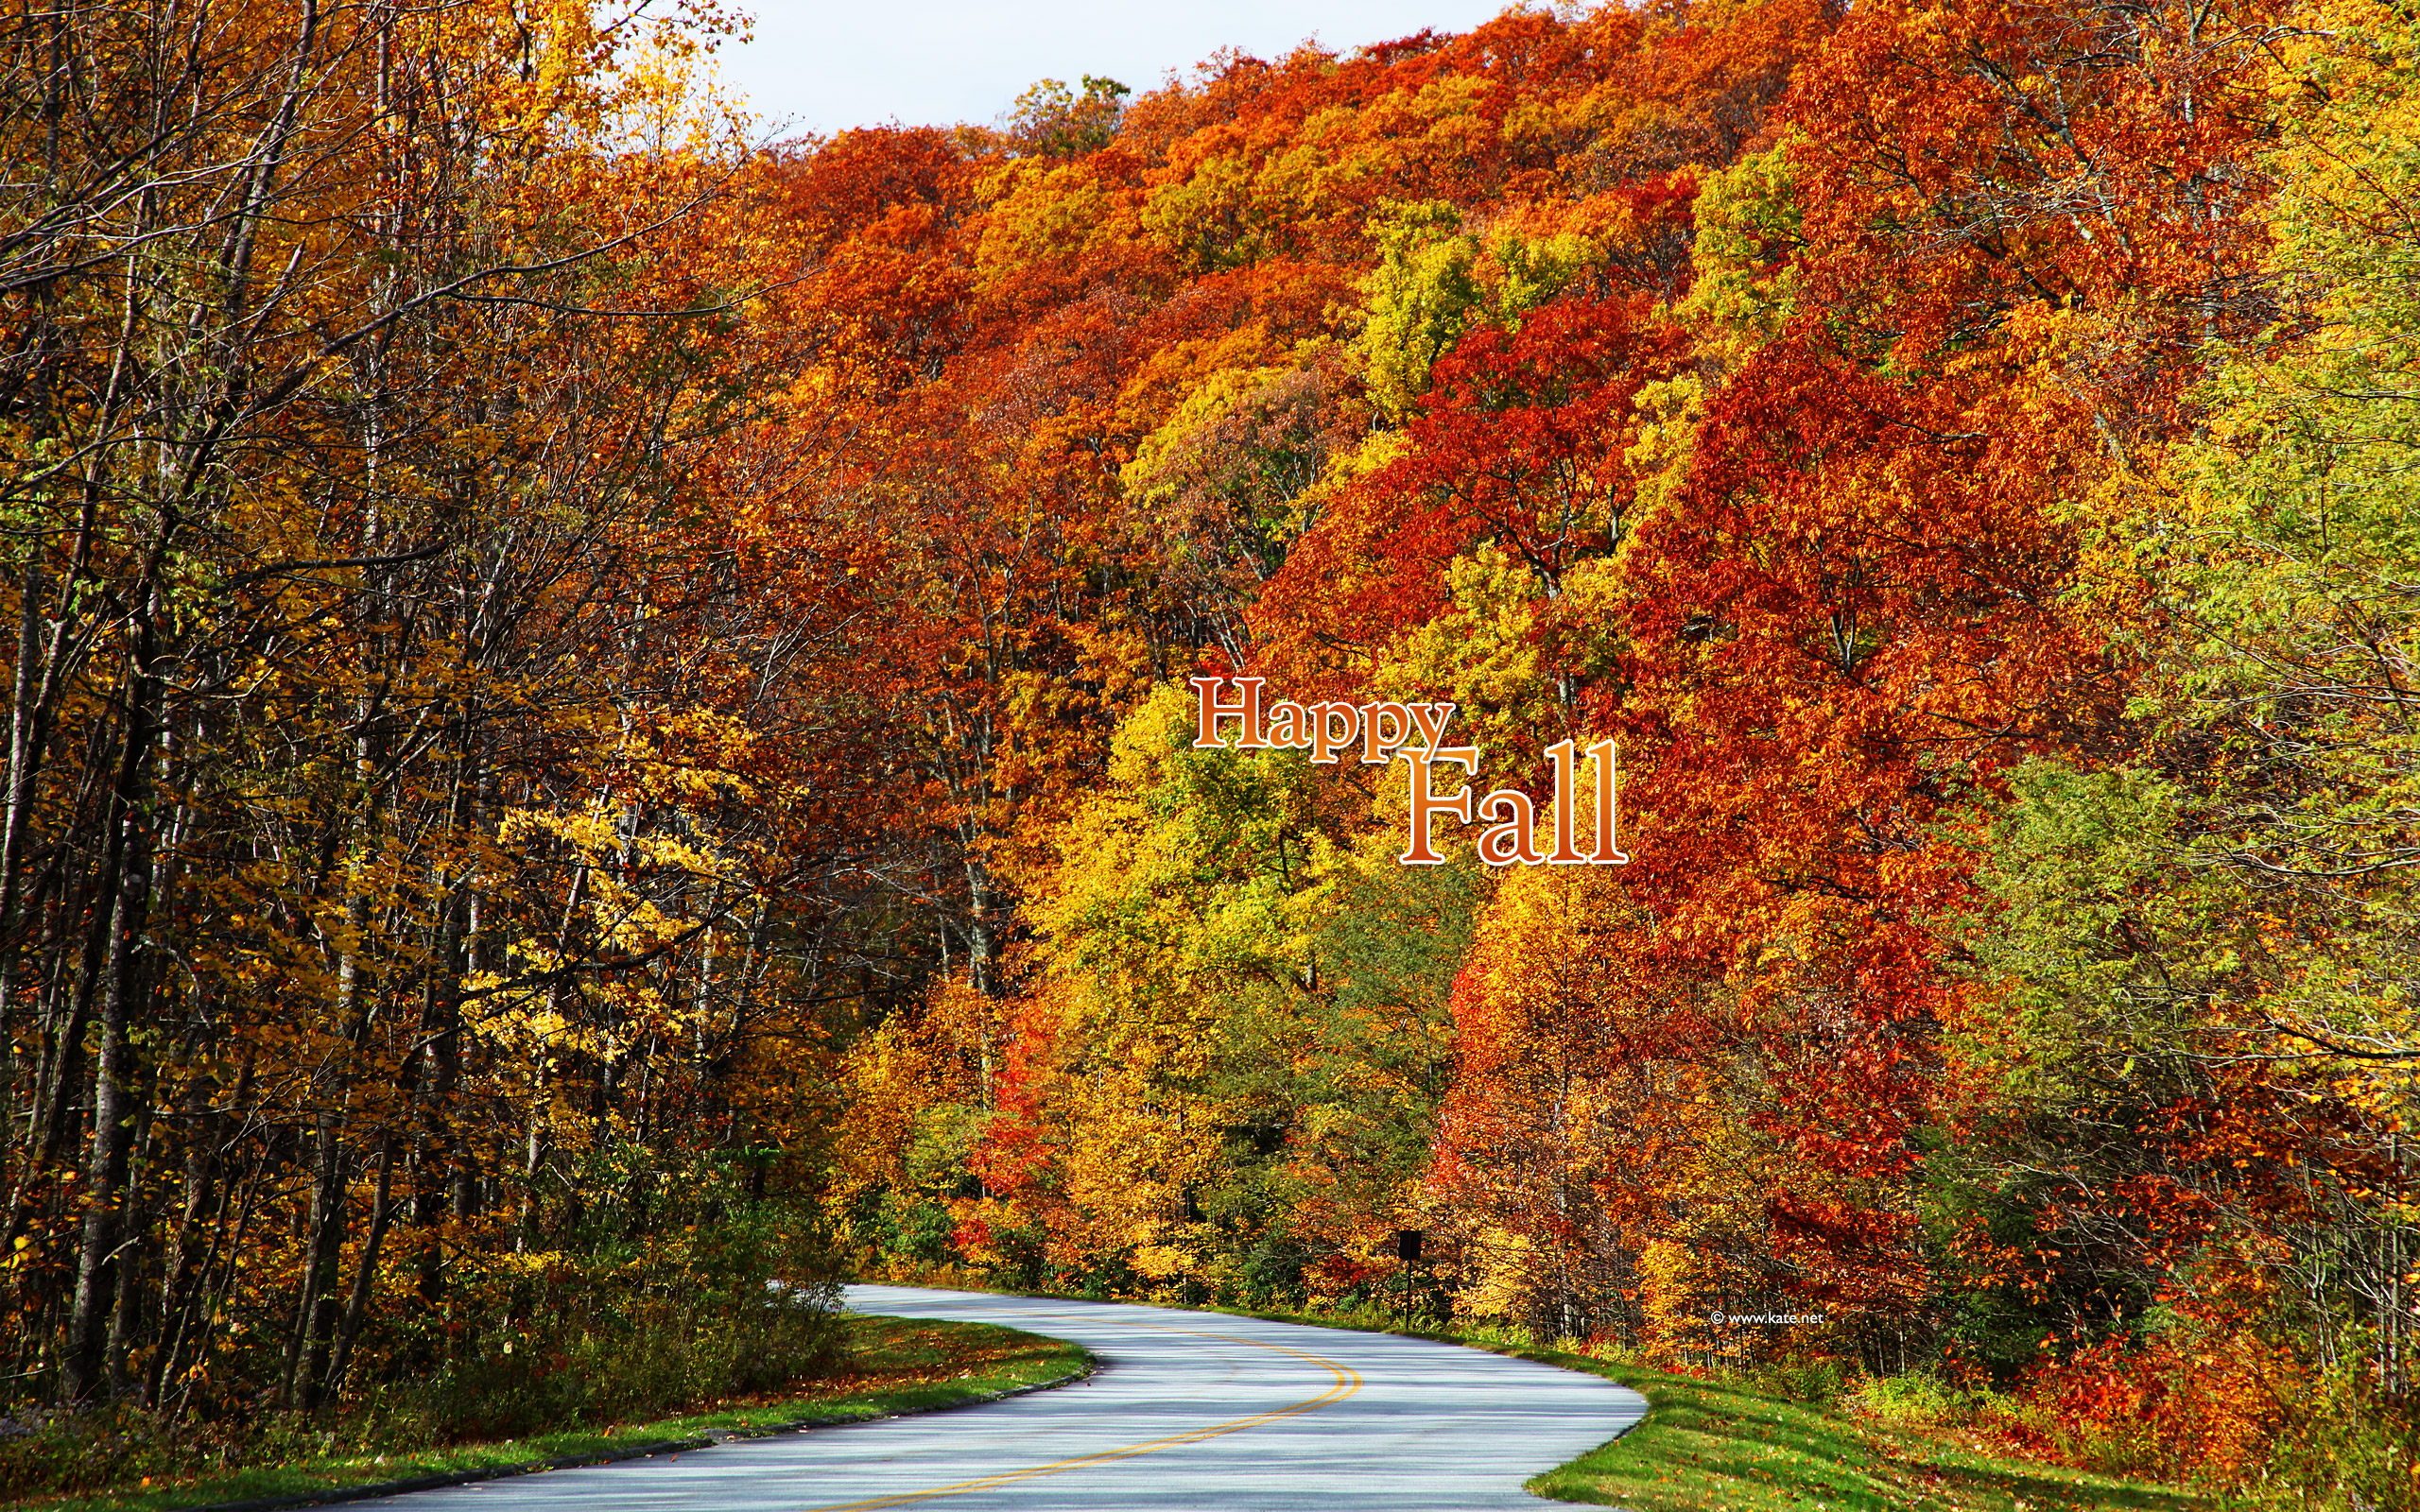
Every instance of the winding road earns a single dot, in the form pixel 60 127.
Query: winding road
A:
pixel 1189 1410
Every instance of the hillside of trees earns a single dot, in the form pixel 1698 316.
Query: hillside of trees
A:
pixel 601 711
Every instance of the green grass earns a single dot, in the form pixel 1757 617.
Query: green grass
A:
pixel 896 1364
pixel 1712 1447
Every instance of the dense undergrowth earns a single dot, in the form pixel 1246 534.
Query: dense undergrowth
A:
pixel 886 1365
pixel 540 1343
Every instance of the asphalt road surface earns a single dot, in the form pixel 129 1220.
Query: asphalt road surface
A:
pixel 1189 1410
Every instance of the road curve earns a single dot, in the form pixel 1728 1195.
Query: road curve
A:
pixel 1190 1410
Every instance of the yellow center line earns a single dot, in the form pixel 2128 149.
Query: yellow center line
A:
pixel 1347 1381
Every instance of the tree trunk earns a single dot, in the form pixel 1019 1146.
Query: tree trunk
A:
pixel 128 901
pixel 365 1279
pixel 316 1315
pixel 112 1126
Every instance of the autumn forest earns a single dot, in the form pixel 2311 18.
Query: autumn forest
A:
pixel 600 710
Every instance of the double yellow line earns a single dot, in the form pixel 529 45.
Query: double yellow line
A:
pixel 1348 1383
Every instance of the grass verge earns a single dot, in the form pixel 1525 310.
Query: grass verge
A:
pixel 1713 1447
pixel 1709 1446
pixel 896 1365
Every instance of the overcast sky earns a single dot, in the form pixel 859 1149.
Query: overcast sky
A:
pixel 823 65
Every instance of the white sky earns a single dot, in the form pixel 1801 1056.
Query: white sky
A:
pixel 825 65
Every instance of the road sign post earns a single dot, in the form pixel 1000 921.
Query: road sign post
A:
pixel 1407 1256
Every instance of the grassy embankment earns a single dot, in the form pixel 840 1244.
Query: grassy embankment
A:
pixel 1717 1446
pixel 1710 1446
pixel 896 1365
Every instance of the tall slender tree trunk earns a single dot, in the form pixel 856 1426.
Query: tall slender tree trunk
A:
pixel 113 1113
pixel 315 1309
pixel 365 1278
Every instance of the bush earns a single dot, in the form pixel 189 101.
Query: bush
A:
pixel 1919 1399
pixel 2350 1446
pixel 1814 1380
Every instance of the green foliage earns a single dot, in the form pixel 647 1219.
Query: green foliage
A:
pixel 2108 945
pixel 2102 946
pixel 1748 224
pixel 1485 654
pixel 1052 121
pixel 916 1230
pixel 943 1136
pixel 2296 537
pixel 1275 1003
pixel 2349 1447
pixel 1911 1399
pixel 1189 860
pixel 1380 1047
pixel 1436 280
